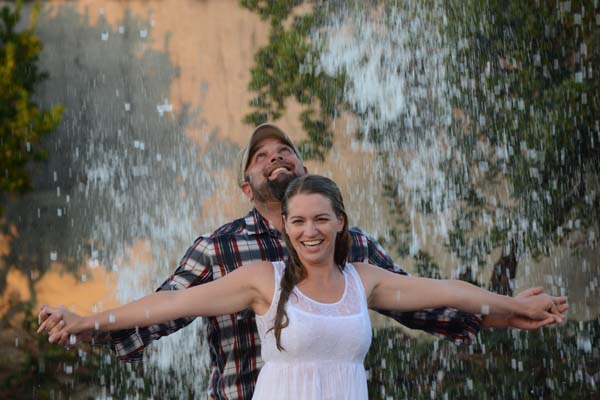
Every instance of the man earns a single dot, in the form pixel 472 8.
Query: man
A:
pixel 267 165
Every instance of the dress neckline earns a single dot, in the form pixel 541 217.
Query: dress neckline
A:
pixel 341 299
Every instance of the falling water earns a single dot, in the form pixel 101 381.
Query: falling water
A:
pixel 404 74
pixel 396 64
pixel 125 185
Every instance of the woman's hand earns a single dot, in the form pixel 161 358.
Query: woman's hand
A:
pixel 523 322
pixel 542 307
pixel 60 323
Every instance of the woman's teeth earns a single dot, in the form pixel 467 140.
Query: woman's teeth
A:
pixel 311 243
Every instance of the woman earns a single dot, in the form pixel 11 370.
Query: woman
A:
pixel 311 310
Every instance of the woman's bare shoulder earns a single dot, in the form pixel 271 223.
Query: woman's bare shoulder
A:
pixel 362 267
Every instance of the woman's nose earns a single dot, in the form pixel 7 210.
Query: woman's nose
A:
pixel 311 229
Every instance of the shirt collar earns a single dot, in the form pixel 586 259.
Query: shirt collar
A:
pixel 256 224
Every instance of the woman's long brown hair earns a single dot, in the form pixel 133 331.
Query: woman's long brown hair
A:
pixel 295 272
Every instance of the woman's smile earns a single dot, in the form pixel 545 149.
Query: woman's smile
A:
pixel 312 226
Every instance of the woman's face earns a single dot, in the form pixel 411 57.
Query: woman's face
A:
pixel 312 226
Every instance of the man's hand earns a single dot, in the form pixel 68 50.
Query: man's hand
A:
pixel 522 322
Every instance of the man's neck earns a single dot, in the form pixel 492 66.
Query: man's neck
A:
pixel 272 212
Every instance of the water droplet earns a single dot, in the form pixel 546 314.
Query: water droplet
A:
pixel 121 29
pixel 53 256
pixel 111 318
pixel 127 106
pixel 83 277
pixel 143 33
pixel 165 107
pixel 485 309
pixel 72 340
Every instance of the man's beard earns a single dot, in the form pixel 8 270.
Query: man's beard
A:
pixel 273 190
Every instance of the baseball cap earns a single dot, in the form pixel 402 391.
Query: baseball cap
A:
pixel 261 132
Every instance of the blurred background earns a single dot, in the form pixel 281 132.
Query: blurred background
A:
pixel 465 136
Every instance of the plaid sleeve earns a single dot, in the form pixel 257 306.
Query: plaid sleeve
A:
pixel 458 326
pixel 195 268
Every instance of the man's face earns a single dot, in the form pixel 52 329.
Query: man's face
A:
pixel 271 168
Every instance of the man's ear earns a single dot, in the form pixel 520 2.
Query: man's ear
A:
pixel 247 191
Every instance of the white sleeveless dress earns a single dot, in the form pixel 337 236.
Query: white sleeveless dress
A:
pixel 325 345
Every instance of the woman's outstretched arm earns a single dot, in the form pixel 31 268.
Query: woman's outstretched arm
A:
pixel 241 289
pixel 390 291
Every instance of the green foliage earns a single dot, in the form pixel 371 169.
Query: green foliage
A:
pixel 529 88
pixel 426 267
pixel 549 363
pixel 276 10
pixel 22 123
pixel 286 69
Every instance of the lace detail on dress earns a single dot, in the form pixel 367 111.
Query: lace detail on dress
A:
pixel 350 303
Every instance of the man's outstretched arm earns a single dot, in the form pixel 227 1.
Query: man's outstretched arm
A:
pixel 195 268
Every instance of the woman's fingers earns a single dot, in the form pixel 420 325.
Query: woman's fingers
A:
pixel 548 321
pixel 560 300
pixel 50 322
pixel 57 328
pixel 43 315
pixel 50 316
pixel 563 307
pixel 59 334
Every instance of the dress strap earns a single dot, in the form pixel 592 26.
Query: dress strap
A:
pixel 358 282
pixel 278 267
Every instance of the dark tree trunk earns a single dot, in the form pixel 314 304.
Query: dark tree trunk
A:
pixel 504 272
